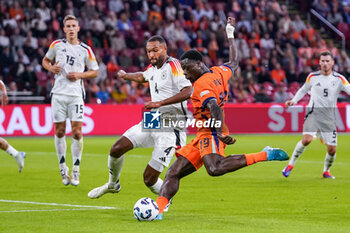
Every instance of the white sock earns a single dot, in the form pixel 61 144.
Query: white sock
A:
pixel 156 187
pixel 328 161
pixel 61 147
pixel 115 166
pixel 77 150
pixel 12 151
pixel 298 150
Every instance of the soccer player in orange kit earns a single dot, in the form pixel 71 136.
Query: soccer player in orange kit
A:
pixel 210 89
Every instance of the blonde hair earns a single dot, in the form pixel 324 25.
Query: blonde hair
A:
pixel 69 17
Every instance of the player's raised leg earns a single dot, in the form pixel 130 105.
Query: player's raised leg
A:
pixel 61 148
pixel 330 157
pixel 218 165
pixel 18 155
pixel 298 150
pixel 76 150
pixel 115 164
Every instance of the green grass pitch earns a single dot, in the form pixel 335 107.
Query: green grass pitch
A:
pixel 254 199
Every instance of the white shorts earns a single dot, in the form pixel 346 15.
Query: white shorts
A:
pixel 64 106
pixel 325 128
pixel 164 143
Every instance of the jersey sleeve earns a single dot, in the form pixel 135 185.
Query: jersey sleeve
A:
pixel 51 53
pixel 346 85
pixel 303 90
pixel 90 60
pixel 178 75
pixel 204 92
pixel 147 73
pixel 226 71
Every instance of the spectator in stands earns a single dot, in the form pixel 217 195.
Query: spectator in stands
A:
pixel 16 12
pixel 281 94
pixel 170 11
pixel 89 8
pixel 102 72
pixel 6 61
pixel 116 6
pixel 29 79
pixel 7 21
pixel 43 11
pixel 39 26
pixel 4 40
pixel 266 42
pixel 262 96
pixel 124 23
pixel 243 22
pixel 298 24
pixel 118 42
pixel 278 75
pixel 29 9
pixel 102 94
pixel 335 17
pixel 263 75
pixel 112 65
pixel 321 7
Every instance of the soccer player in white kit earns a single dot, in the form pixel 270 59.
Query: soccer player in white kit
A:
pixel 169 91
pixel 68 93
pixel 325 86
pixel 4 145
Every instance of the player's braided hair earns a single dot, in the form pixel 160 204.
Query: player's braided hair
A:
pixel 192 54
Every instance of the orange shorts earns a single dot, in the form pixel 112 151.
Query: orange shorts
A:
pixel 202 145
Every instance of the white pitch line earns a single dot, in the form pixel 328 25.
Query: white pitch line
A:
pixel 50 210
pixel 57 204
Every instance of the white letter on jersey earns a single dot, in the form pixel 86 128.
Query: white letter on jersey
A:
pixel 89 123
pixel 280 121
pixel 46 128
pixel 294 119
pixel 17 122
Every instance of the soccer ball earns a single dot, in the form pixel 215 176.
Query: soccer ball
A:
pixel 146 209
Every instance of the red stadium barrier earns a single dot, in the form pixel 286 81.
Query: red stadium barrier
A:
pixel 36 120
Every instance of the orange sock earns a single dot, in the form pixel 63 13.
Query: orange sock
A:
pixel 162 202
pixel 255 157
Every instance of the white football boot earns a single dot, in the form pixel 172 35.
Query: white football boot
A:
pixel 65 176
pixel 74 178
pixel 20 160
pixel 106 188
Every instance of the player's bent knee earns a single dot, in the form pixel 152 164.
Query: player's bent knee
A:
pixel 60 133
pixel 149 179
pixel 77 135
pixel 117 150
pixel 332 150
pixel 213 171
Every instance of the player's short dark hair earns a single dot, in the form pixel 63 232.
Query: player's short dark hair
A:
pixel 158 38
pixel 327 53
pixel 192 54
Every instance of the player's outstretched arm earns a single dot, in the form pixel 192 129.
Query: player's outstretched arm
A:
pixel 137 77
pixel 4 98
pixel 233 55
pixel 216 113
pixel 183 95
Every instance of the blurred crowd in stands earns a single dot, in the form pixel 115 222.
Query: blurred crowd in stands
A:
pixel 276 50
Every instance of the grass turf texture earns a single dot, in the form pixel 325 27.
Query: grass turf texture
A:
pixel 253 199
